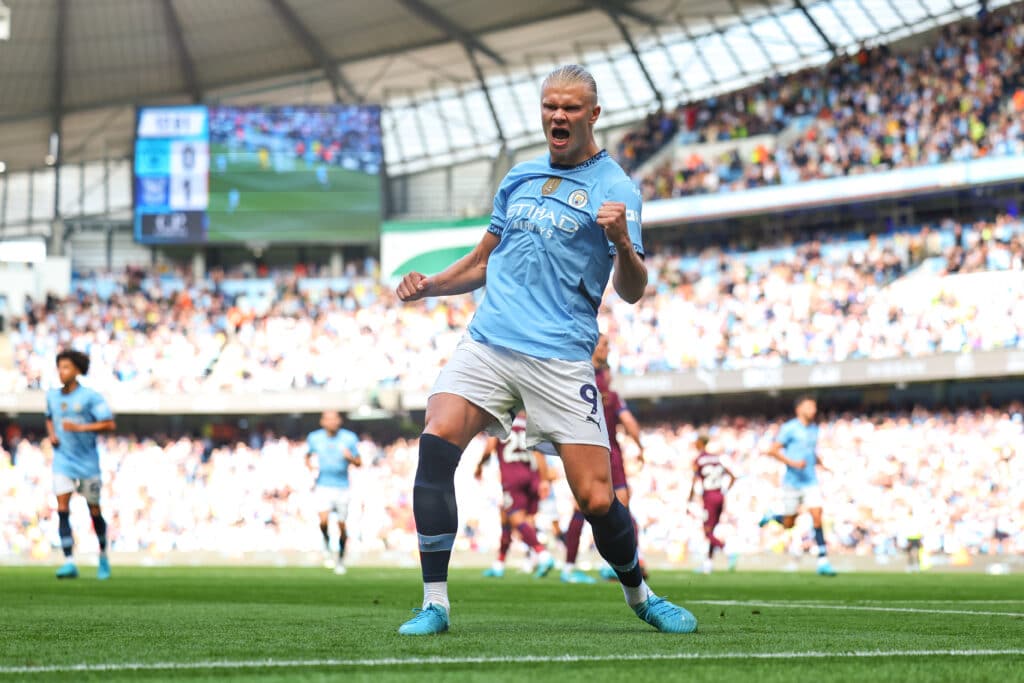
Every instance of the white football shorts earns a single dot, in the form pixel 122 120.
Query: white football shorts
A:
pixel 332 499
pixel 560 396
pixel 89 488
pixel 793 498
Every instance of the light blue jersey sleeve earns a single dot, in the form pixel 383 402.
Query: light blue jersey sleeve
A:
pixel 351 441
pixel 498 211
pixel 785 435
pixel 99 409
pixel 626 192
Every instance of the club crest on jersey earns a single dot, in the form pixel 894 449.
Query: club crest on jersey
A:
pixel 578 199
pixel 550 186
pixel 63 406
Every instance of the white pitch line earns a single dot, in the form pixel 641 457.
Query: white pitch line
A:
pixel 858 608
pixel 525 659
pixel 939 602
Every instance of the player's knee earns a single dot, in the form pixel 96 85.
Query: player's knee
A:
pixel 596 502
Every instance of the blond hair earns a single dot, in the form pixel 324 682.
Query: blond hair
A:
pixel 572 74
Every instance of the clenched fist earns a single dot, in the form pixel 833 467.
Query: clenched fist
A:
pixel 612 218
pixel 413 287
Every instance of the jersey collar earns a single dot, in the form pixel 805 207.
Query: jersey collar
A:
pixel 586 164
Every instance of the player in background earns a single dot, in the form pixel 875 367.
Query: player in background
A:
pixel 521 469
pixel 615 413
pixel 715 478
pixel 335 450
pixel 796 446
pixel 74 416
pixel 561 224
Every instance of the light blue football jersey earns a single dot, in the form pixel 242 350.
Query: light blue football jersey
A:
pixel 546 277
pixel 77 456
pixel 330 452
pixel 800 442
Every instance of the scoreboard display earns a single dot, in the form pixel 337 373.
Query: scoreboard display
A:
pixel 172 162
pixel 302 174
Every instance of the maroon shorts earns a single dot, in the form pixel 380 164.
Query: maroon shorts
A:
pixel 618 470
pixel 522 494
pixel 714 501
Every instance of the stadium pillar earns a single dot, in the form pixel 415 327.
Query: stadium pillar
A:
pixel 198 264
pixel 57 232
pixel 337 262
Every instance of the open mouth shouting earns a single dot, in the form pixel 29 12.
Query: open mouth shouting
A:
pixel 559 137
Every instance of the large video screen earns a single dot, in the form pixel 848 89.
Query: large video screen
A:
pixel 257 174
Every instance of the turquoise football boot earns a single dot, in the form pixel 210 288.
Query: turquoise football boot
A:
pixel 666 617
pixel 68 570
pixel 428 622
pixel 103 571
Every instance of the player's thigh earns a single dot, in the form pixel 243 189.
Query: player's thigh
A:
pixel 473 392
pixel 812 498
pixel 588 472
pixel 63 487
pixel 90 489
pixel 323 497
pixel 792 497
pixel 562 403
pixel 340 505
pixel 815 513
pixel 516 518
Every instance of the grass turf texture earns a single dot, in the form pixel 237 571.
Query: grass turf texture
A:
pixel 291 206
pixel 228 615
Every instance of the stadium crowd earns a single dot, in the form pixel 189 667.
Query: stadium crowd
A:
pixel 948 476
pixel 715 310
pixel 960 97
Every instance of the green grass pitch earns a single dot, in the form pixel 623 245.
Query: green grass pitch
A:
pixel 291 206
pixel 216 624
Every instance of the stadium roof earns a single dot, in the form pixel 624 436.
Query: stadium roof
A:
pixel 452 74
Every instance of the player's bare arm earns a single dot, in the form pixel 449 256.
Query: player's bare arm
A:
pixel 693 482
pixel 633 430
pixel 353 459
pixel 775 451
pixel 465 275
pixel 544 490
pixel 630 277
pixel 489 449
pixel 51 434
pixel 732 477
pixel 101 426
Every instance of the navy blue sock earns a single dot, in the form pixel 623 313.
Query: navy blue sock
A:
pixel 780 519
pixel 616 541
pixel 341 545
pixel 326 534
pixel 433 505
pixel 819 538
pixel 99 525
pixel 67 543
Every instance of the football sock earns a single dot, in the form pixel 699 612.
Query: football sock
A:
pixel 779 519
pixel 506 541
pixel 819 538
pixel 433 506
pixel 341 546
pixel 529 536
pixel 327 536
pixel 572 537
pixel 636 594
pixel 99 525
pixel 616 541
pixel 436 593
pixel 67 543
